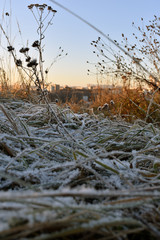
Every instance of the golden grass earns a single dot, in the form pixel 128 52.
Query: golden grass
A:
pixel 127 104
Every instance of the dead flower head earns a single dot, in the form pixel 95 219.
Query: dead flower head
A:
pixel 32 63
pixel 36 44
pixel 30 6
pixel 24 50
pixel 28 59
pixel 112 102
pixel 18 63
pixel 105 106
pixel 10 48
pixel 99 108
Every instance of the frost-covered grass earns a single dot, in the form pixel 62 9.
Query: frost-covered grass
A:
pixel 85 177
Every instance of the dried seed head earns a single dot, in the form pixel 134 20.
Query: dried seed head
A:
pixel 10 48
pixel 105 106
pixel 36 44
pixel 30 6
pixel 41 8
pixel 32 63
pixel 18 63
pixel 24 50
pixel 49 8
pixel 99 108
pixel 112 102
pixel 54 11
pixel 28 59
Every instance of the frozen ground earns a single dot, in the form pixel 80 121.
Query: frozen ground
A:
pixel 67 176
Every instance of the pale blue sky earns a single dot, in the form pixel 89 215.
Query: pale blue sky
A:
pixel 113 17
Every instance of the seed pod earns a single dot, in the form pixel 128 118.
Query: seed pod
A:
pixel 32 63
pixel 18 63
pixel 99 108
pixel 10 48
pixel 105 106
pixel 36 44
pixel 112 102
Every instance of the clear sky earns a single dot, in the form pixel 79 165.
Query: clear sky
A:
pixel 113 17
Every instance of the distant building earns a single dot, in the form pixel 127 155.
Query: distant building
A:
pixel 91 86
pixel 76 87
pixel 55 87
pixel 52 88
pixel 97 86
